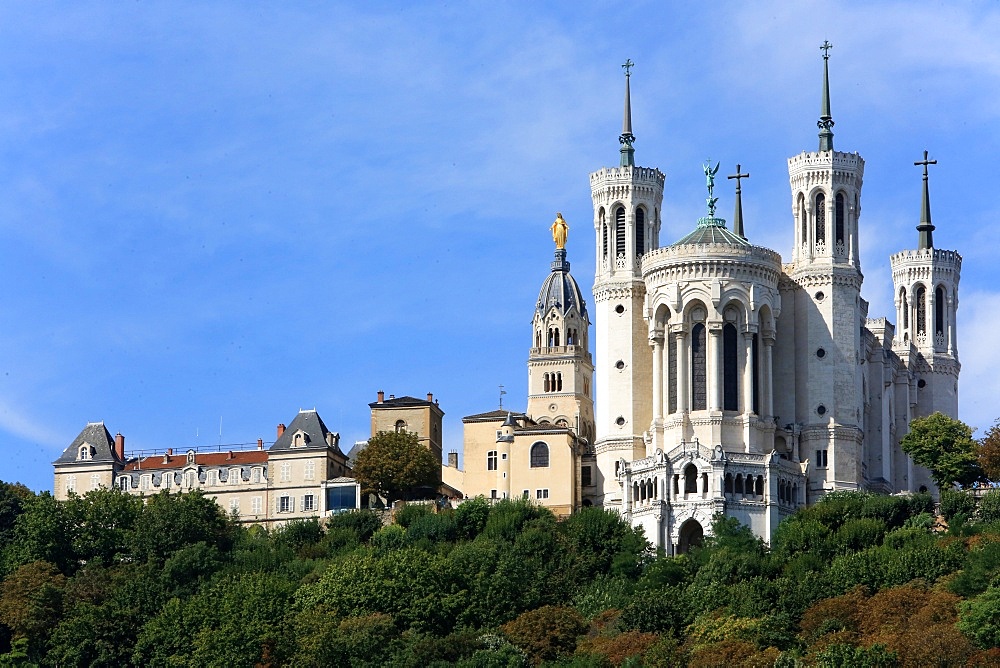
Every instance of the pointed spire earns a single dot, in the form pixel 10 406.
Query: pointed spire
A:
pixel 825 122
pixel 925 228
pixel 626 138
pixel 738 214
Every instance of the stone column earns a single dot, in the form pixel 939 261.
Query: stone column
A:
pixel 657 344
pixel 768 376
pixel 747 406
pixel 683 382
pixel 713 367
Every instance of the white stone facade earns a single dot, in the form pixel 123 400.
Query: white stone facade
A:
pixel 729 382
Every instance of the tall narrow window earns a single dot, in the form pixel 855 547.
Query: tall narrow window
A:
pixel 698 388
pixel 491 460
pixel 620 232
pixel 559 381
pixel 921 298
pixel 604 234
pixel 905 305
pixel 730 370
pixel 640 231
pixel 545 383
pixel 690 479
pixel 939 310
pixel 820 218
pixel 754 357
pixel 802 218
pixel 838 216
pixel 671 376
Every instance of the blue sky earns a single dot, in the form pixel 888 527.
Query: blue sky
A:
pixel 236 210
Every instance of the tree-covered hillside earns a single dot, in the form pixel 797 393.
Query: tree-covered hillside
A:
pixel 856 580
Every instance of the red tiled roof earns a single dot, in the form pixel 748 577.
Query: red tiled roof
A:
pixel 178 461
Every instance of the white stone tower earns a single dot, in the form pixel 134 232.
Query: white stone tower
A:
pixel 627 202
pixel 560 368
pixel 925 282
pixel 823 298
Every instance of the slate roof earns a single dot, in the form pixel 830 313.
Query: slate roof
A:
pixel 97 435
pixel 405 402
pixel 309 422
pixel 712 231
pixel 489 416
pixel 560 290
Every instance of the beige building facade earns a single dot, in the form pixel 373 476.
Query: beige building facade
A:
pixel 302 474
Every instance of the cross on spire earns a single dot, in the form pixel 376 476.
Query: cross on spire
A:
pixel 925 228
pixel 626 138
pixel 738 214
pixel 825 122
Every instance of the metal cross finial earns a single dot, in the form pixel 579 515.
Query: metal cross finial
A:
pixel 738 175
pixel 627 66
pixel 925 162
pixel 825 48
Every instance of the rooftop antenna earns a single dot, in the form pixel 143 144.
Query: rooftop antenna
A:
pixel 502 392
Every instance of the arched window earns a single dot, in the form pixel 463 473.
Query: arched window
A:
pixel 690 479
pixel 538 339
pixel 400 426
pixel 838 217
pixel 939 310
pixel 539 455
pixel 559 381
pixel 905 306
pixel 730 371
pixel 604 234
pixel 545 383
pixel 759 491
pixel 921 298
pixel 84 452
pixel 739 483
pixel 755 374
pixel 620 231
pixel 640 231
pixel 698 388
pixel 820 218
pixel 802 218
pixel 729 483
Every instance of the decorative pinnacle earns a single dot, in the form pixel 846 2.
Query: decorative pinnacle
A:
pixel 825 122
pixel 738 215
pixel 627 138
pixel 710 182
pixel 925 228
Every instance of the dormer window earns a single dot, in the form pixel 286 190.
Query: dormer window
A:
pixel 87 451
pixel 190 456
pixel 300 439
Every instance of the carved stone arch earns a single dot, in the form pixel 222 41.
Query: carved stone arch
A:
pixel 736 302
pixel 661 317
pixel 697 299
pixel 765 319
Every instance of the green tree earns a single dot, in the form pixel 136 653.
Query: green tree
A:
pixel 945 446
pixel 14 497
pixel 988 452
pixel 31 602
pixel 546 633
pixel 394 464
pixel 172 521
pixel 43 532
pixel 979 618
pixel 103 520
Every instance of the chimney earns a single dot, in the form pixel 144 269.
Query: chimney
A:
pixel 230 455
pixel 430 397
pixel 120 446
pixel 260 444
pixel 381 396
pixel 281 430
pixel 453 459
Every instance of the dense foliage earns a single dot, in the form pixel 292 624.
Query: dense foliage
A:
pixel 855 580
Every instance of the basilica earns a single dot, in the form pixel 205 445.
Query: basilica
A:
pixel 727 379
